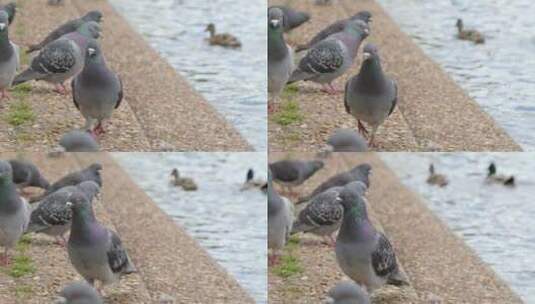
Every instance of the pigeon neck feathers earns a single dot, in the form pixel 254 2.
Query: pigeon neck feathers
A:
pixel 371 78
pixel 277 48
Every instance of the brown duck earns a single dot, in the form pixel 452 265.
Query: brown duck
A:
pixel 224 40
pixel 471 35
pixel 436 179
pixel 185 183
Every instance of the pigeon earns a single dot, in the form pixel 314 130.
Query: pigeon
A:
pixel 79 141
pixel 370 96
pixel 66 28
pixel 292 17
pixel 280 220
pixel 11 10
pixel 323 215
pixel 61 59
pixel 364 254
pixel 53 217
pixel 9 56
pixel 332 57
pixel 346 140
pixel 280 55
pixel 96 91
pixel 96 252
pixel 292 173
pixel 358 173
pixel 79 293
pixel 91 173
pixel 26 174
pixel 14 212
pixel 334 28
pixel 347 292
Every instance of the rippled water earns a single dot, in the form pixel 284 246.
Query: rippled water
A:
pixel 499 74
pixel 496 221
pixel 230 224
pixel 234 81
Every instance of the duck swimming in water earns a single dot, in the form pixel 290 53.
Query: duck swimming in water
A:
pixel 471 35
pixel 494 178
pixel 252 183
pixel 185 183
pixel 224 40
pixel 436 179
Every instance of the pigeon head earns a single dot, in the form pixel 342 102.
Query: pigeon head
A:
pixel 370 52
pixel 79 203
pixel 492 169
pixel 79 292
pixel 353 203
pixel 347 292
pixel 250 175
pixel 4 21
pixel 365 16
pixel 6 172
pixel 90 189
pixel 93 16
pixel 210 28
pixel 358 27
pixel 90 29
pixel 275 18
pixel 95 167
pixel 93 51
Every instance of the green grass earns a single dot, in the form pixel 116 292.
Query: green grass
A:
pixel 19 112
pixel 21 265
pixel 290 91
pixel 289 266
pixel 288 114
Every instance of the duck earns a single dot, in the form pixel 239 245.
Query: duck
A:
pixel 436 179
pixel 252 183
pixel 495 178
pixel 471 35
pixel 224 40
pixel 185 183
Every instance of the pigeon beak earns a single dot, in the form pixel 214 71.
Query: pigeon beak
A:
pixel 2 26
pixel 91 51
pixel 366 55
pixel 68 204
pixel 275 22
pixel 366 31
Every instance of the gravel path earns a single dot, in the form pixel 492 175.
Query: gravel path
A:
pixel 169 261
pixel 439 264
pixel 160 110
pixel 433 113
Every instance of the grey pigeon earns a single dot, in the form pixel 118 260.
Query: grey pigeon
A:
pixel 347 140
pixel 79 293
pixel 26 174
pixel 332 57
pixel 280 55
pixel 364 254
pixel 334 28
pixel 358 173
pixel 96 252
pixel 53 217
pixel 79 141
pixel 292 173
pixel 323 215
pixel 68 27
pixel 11 10
pixel 96 91
pixel 280 220
pixel 61 59
pixel 9 56
pixel 292 17
pixel 91 173
pixel 370 96
pixel 347 292
pixel 14 212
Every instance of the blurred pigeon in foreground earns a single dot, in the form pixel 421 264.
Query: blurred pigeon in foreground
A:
pixel 292 173
pixel 79 141
pixel 79 293
pixel 9 57
pixel 347 292
pixel 280 220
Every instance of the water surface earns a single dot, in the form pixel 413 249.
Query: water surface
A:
pixel 496 221
pixel 230 224
pixel 499 74
pixel 233 81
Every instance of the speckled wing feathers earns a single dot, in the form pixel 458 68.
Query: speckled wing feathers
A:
pixel 326 58
pixel 383 257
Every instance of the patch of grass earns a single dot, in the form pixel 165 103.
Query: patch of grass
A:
pixel 289 266
pixel 23 291
pixel 290 91
pixel 19 113
pixel 21 265
pixel 288 114
pixel 24 58
pixel 22 90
